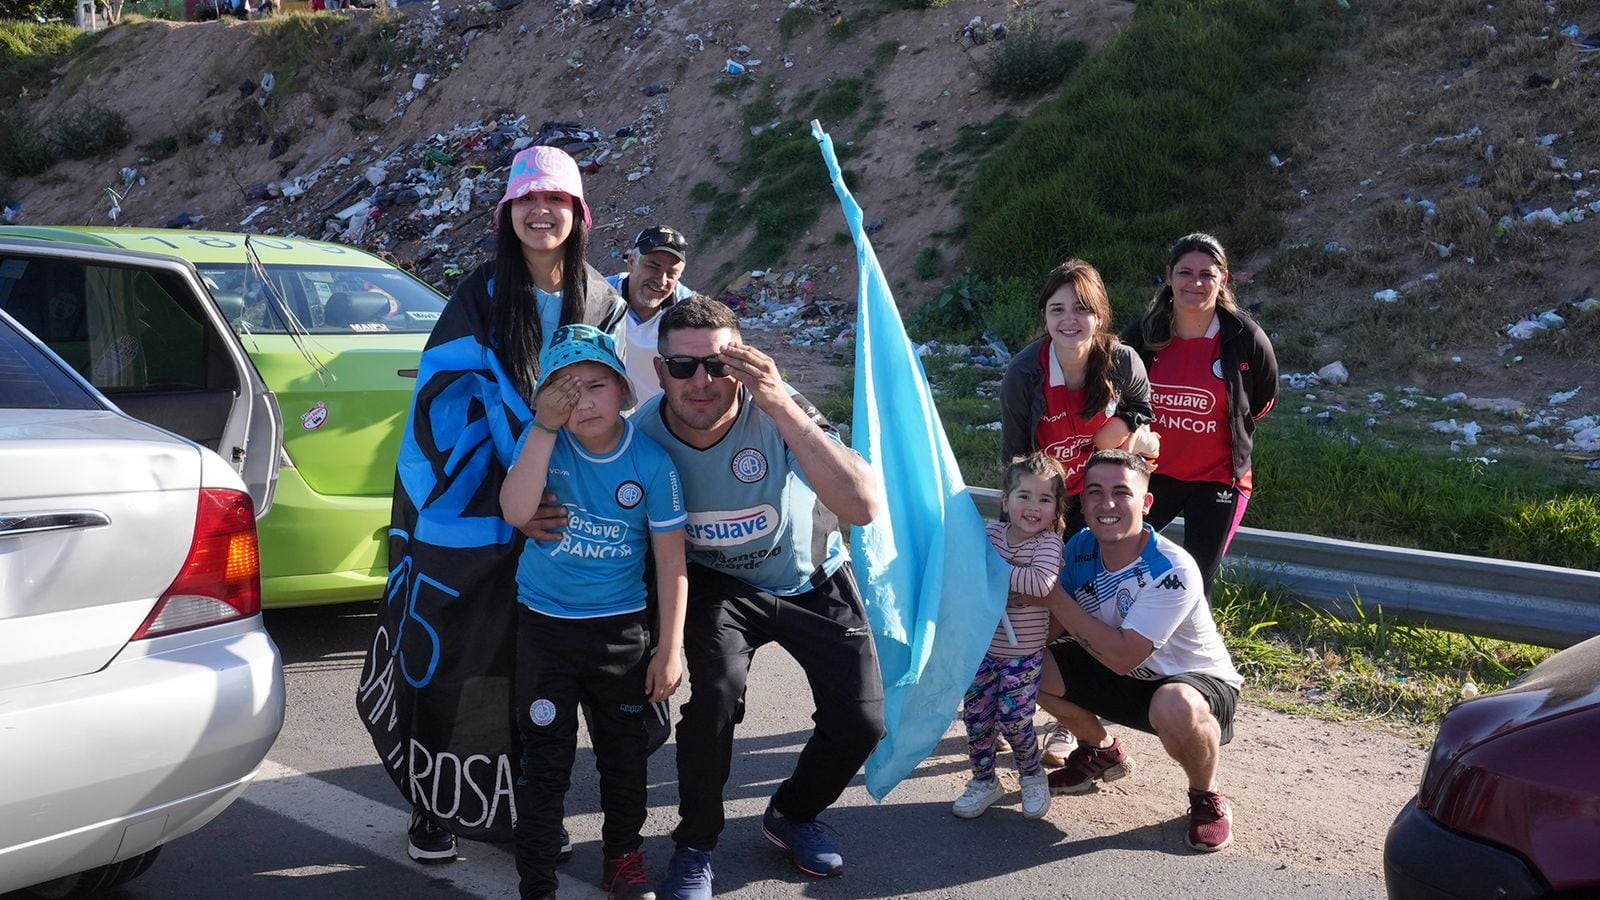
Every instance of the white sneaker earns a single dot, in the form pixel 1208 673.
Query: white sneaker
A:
pixel 979 796
pixel 1035 796
pixel 1058 745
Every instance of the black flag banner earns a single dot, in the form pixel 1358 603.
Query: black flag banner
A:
pixel 436 688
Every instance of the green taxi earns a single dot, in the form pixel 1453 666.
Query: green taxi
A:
pixel 334 332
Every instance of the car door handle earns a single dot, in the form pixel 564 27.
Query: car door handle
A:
pixel 406 373
pixel 40 522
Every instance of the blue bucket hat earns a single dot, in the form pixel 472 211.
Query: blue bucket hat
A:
pixel 584 343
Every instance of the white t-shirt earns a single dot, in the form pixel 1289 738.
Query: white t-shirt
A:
pixel 642 338
pixel 1158 595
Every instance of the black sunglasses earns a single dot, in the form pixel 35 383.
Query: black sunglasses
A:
pixel 682 367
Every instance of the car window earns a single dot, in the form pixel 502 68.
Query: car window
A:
pixel 325 299
pixel 123 329
pixel 30 379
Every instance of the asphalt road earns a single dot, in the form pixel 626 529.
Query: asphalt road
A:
pixel 324 821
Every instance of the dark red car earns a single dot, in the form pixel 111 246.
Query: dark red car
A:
pixel 1510 800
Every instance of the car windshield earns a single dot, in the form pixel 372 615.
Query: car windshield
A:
pixel 325 299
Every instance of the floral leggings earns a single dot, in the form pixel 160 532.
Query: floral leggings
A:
pixel 1003 696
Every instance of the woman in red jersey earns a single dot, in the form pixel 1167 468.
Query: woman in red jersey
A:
pixel 1212 375
pixel 1077 389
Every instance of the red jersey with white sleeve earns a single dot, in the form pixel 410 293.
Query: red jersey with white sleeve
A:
pixel 1063 431
pixel 1191 411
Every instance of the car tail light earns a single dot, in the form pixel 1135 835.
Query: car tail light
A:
pixel 221 579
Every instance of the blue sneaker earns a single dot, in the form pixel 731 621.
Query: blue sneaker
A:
pixel 688 875
pixel 809 848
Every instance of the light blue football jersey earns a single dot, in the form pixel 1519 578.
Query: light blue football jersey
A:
pixel 752 514
pixel 613 503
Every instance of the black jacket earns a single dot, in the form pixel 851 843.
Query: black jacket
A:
pixel 1022 397
pixel 1249 370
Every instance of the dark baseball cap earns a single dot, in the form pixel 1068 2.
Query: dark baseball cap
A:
pixel 662 239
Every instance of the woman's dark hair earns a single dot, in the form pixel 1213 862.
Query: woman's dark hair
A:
pixel 1085 281
pixel 1157 320
pixel 516 312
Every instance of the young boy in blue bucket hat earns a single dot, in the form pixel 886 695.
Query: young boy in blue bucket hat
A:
pixel 583 635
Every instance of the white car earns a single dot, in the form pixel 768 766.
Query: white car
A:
pixel 139 690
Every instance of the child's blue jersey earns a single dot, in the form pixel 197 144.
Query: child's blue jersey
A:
pixel 613 503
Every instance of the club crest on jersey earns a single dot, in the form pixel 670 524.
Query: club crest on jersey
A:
pixel 542 712
pixel 1124 601
pixel 749 465
pixel 629 493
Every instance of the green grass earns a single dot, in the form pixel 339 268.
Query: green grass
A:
pixel 29 51
pixel 1298 659
pixel 1343 485
pixel 1160 133
pixel 841 100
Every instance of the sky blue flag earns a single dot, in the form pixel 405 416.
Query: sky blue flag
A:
pixel 934 589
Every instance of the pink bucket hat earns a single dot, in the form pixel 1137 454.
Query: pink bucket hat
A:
pixel 542 168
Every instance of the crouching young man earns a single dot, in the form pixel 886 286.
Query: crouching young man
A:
pixel 1143 652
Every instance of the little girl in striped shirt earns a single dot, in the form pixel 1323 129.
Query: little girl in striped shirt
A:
pixel 1006 687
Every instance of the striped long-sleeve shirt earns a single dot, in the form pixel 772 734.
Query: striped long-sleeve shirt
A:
pixel 1035 568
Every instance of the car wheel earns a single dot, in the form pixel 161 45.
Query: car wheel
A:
pixel 96 880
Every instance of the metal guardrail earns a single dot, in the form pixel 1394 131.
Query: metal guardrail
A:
pixel 1514 601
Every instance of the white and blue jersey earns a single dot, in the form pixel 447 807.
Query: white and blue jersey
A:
pixel 752 514
pixel 1159 596
pixel 613 503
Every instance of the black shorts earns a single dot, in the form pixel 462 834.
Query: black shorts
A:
pixel 1124 699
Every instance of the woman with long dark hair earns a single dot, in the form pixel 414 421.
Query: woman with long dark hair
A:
pixel 1073 391
pixel 1213 374
pixel 1076 389
pixel 444 652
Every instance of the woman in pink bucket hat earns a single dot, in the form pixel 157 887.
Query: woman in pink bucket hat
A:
pixel 450 550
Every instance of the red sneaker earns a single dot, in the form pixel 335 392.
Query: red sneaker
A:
pixel 624 877
pixel 1210 821
pixel 1086 765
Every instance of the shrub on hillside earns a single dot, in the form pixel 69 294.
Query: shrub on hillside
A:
pixel 90 130
pixel 926 4
pixel 25 147
pixel 1028 62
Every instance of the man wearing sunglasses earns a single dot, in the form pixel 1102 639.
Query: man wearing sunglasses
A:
pixel 650 284
pixel 765 480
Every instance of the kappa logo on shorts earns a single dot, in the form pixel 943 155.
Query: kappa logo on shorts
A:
pixel 631 708
pixel 629 493
pixel 749 465
pixel 542 712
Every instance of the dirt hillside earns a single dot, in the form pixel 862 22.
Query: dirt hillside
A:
pixel 483 70
pixel 1435 186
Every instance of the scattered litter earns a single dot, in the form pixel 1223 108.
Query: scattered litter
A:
pixel 1525 329
pixel 1387 295
pixel 656 90
pixel 268 80
pixel 1469 432
pixel 184 220
pixel 733 68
